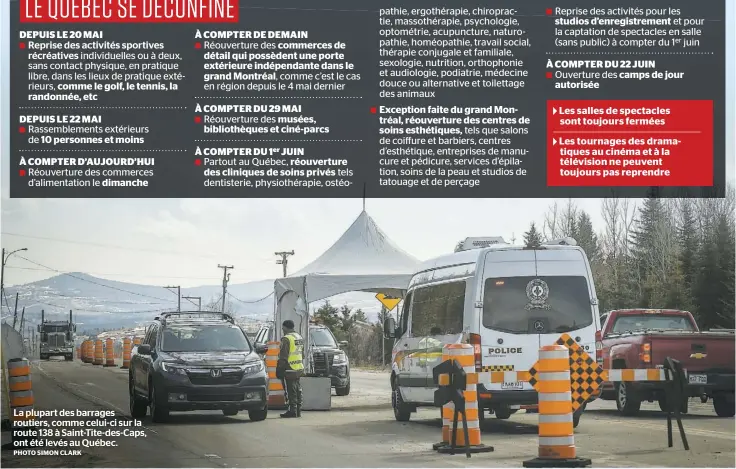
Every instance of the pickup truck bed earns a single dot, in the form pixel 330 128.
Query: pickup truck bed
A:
pixel 708 358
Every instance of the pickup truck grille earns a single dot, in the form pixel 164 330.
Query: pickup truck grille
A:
pixel 204 377
pixel 322 363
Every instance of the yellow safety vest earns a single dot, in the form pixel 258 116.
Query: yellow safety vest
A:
pixel 296 346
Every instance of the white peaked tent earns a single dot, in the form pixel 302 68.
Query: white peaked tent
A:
pixel 363 259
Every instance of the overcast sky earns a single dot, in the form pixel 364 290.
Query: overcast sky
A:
pixel 181 241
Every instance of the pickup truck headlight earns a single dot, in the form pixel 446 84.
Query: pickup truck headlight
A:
pixel 253 368
pixel 340 359
pixel 173 369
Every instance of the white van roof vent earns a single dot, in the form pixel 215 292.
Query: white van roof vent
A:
pixel 478 243
pixel 566 241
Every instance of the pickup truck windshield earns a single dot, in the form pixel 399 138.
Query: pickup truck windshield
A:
pixel 322 338
pixel 204 338
pixel 641 322
pixel 537 305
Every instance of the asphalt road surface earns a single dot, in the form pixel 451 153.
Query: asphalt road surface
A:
pixel 360 431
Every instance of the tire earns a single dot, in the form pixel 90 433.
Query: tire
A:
pixel 402 412
pixel 723 404
pixel 68 358
pixel 258 415
pixel 344 391
pixel 229 412
pixel 628 401
pixel 159 413
pixel 138 407
pixel 502 413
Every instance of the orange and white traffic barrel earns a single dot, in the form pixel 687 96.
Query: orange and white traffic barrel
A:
pixel 276 391
pixel 556 433
pixel 99 353
pixel 127 347
pixel 464 355
pixel 20 389
pixel 109 352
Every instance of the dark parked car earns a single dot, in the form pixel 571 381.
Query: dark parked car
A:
pixel 328 359
pixel 197 361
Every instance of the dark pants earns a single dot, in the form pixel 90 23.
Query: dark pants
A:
pixel 293 387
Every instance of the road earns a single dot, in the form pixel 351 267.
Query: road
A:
pixel 360 431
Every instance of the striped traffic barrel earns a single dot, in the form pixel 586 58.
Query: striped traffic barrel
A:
pixel 99 353
pixel 556 434
pixel 276 392
pixel 127 346
pixel 20 389
pixel 109 352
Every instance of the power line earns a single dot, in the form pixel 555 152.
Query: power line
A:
pixel 91 281
pixel 249 302
pixel 117 275
pixel 125 248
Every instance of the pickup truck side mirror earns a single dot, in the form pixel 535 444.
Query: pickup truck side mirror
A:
pixel 261 349
pixel 144 349
pixel 389 328
pixel 343 343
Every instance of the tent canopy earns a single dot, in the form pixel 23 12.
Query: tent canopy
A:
pixel 363 259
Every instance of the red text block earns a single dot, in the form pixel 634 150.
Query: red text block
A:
pixel 630 143
pixel 129 11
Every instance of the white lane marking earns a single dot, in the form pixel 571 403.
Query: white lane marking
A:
pixel 212 456
pixel 688 430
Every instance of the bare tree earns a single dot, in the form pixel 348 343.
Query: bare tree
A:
pixel 215 305
pixel 561 222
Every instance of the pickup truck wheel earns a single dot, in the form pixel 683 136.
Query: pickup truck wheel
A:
pixel 402 412
pixel 502 412
pixel 257 415
pixel 138 407
pixel 628 401
pixel 723 404
pixel 159 413
pixel 344 391
pixel 68 358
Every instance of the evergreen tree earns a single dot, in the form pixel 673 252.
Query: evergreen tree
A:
pixel 532 238
pixel 327 315
pixel 586 238
pixel 643 239
pixel 687 235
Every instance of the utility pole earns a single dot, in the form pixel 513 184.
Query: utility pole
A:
pixel 22 319
pixel 4 258
pixel 513 238
pixel 15 312
pixel 178 296
pixel 225 280
pixel 198 298
pixel 284 261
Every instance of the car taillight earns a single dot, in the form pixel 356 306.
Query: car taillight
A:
pixel 645 355
pixel 598 340
pixel 474 340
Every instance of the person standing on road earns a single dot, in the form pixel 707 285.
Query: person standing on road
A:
pixel 292 366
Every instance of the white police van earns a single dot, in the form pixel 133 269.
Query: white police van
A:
pixel 506 301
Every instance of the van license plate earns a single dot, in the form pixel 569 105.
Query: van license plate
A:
pixel 518 385
pixel 698 379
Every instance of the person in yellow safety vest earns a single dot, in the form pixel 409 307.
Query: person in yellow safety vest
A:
pixel 291 368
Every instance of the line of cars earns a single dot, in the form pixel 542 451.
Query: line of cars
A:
pixel 507 301
pixel 203 361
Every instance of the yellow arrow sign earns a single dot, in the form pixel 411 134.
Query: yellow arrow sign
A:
pixel 388 301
